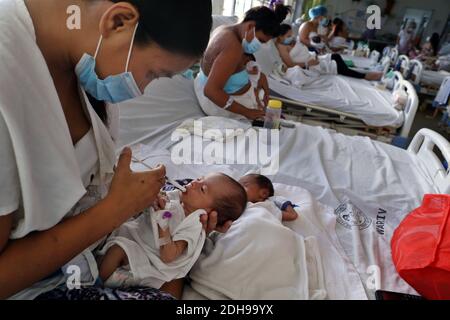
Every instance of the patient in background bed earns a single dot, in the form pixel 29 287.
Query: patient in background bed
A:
pixel 136 257
pixel 259 189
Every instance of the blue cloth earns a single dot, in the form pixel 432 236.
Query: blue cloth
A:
pixel 317 12
pixel 236 82
pixel 282 203
pixel 401 142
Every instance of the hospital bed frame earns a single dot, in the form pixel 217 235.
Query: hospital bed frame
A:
pixel 427 91
pixel 415 75
pixel 423 146
pixel 375 56
pixel 349 123
pixel 404 65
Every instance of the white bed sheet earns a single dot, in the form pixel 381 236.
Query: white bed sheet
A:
pixel 385 183
pixel 362 64
pixel 435 78
pixel 153 117
pixel 355 96
pixel 344 94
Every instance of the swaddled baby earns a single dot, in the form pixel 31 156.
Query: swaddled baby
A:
pixel 259 189
pixel 162 245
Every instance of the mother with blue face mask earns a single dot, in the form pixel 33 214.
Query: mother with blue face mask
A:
pixel 315 27
pixel 64 65
pixel 223 86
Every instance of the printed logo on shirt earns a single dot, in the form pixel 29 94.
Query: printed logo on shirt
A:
pixel 350 216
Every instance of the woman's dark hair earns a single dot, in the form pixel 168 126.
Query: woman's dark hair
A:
pixel 339 26
pixel 179 26
pixel 267 20
pixel 434 41
pixel 263 182
pixel 284 28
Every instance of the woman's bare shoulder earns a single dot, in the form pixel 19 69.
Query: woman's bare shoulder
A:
pixel 225 36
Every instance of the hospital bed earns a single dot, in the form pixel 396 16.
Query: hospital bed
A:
pixel 380 183
pixel 402 65
pixel 427 80
pixel 352 106
pixel 368 64
pixel 393 55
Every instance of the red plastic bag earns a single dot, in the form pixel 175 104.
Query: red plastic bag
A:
pixel 421 248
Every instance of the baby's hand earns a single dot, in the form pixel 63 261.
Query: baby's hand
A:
pixel 289 214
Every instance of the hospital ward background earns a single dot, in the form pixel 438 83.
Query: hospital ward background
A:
pixel 335 174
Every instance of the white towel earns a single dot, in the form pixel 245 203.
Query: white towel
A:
pixel 214 128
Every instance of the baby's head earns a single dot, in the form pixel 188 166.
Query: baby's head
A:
pixel 216 192
pixel 316 40
pixel 258 187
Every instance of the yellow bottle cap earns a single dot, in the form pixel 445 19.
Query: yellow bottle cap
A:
pixel 275 104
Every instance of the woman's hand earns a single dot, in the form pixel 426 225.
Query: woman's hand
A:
pixel 209 222
pixel 133 192
pixel 266 97
pixel 254 114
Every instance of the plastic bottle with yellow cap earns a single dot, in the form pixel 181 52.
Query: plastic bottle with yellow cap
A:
pixel 273 114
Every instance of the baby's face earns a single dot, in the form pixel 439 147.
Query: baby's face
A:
pixel 203 192
pixel 254 192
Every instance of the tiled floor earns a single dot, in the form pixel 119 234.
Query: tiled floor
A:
pixel 424 119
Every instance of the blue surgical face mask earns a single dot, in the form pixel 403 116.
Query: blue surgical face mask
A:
pixel 253 46
pixel 113 89
pixel 324 22
pixel 188 74
pixel 289 40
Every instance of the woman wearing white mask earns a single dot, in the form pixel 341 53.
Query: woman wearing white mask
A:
pixel 61 191
pixel 223 86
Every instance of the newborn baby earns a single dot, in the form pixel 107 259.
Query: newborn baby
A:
pixel 162 245
pixel 259 189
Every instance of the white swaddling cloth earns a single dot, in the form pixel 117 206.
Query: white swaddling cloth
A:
pixel 248 100
pixel 338 42
pixel 259 258
pixel 301 54
pixel 140 241
pixel 254 78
